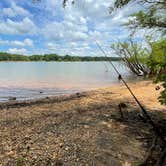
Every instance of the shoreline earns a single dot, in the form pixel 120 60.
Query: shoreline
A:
pixel 69 96
pixel 79 129
pixel 60 98
pixel 45 100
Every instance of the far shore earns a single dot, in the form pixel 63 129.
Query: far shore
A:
pixel 67 61
pixel 79 129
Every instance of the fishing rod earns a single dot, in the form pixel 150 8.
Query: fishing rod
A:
pixel 156 128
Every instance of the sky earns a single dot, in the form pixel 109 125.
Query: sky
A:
pixel 46 27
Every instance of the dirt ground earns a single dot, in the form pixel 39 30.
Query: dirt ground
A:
pixel 83 129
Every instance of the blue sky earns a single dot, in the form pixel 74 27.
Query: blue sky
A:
pixel 46 27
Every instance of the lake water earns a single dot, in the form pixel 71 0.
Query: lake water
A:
pixel 28 80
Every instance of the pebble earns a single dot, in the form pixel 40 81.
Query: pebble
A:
pixel 86 126
pixel 61 145
pixel 11 153
pixel 67 148
pixel 78 95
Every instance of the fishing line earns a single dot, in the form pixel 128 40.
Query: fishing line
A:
pixel 156 128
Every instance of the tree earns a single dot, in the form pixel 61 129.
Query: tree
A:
pixel 36 58
pixel 153 14
pixel 50 57
pixel 134 56
pixel 157 64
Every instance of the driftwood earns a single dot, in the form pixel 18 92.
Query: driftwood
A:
pixel 150 152
pixel 157 151
pixel 161 158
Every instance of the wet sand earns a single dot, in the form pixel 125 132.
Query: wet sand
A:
pixel 79 129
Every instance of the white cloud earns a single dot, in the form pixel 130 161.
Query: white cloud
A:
pixel 86 21
pixel 83 20
pixel 28 42
pixel 4 42
pixel 72 30
pixel 9 12
pixel 17 51
pixel 26 26
pixel 65 30
pixel 25 43
pixel 15 10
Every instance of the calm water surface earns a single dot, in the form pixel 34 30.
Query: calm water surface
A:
pixel 28 80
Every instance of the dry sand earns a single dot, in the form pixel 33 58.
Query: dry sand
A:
pixel 80 129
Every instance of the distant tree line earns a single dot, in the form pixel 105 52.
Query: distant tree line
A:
pixel 53 57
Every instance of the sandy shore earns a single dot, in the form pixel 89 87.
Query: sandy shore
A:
pixel 79 129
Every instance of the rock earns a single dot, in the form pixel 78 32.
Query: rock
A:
pixel 61 145
pixel 27 137
pixel 55 155
pixel 12 98
pixel 86 126
pixel 78 94
pixel 28 148
pixel 59 163
pixel 122 105
pixel 11 153
pixel 67 148
pixel 157 87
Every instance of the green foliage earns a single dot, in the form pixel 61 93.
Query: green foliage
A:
pixel 134 56
pixel 12 57
pixel 153 17
pixel 20 161
pixel 150 61
pixel 36 58
pixel 50 57
pixel 53 57
pixel 157 59
pixel 157 64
